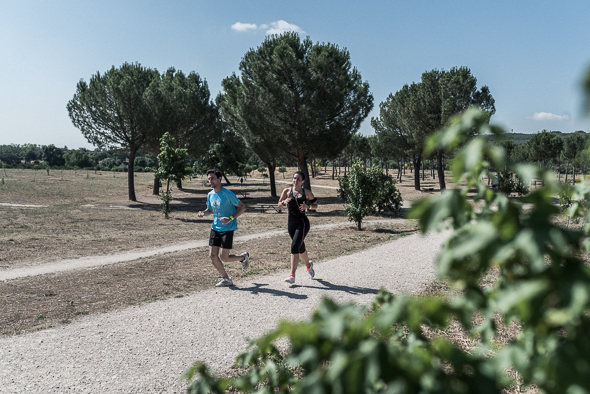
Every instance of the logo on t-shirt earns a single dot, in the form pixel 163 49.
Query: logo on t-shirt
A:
pixel 215 203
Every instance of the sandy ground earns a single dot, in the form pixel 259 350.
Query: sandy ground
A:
pixel 41 268
pixel 147 348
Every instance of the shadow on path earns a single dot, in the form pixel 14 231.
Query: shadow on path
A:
pixel 258 288
pixel 345 289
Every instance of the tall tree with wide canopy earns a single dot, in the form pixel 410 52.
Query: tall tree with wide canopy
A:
pixel 544 146
pixel 425 107
pixel 52 155
pixel 306 98
pixel 268 146
pixel 182 108
pixel 112 111
pixel 228 153
pixel 401 125
pixel 444 94
pixel 573 145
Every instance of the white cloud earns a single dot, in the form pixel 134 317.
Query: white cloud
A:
pixel 277 27
pixel 281 26
pixel 549 116
pixel 239 26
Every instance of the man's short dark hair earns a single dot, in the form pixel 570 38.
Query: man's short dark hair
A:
pixel 214 171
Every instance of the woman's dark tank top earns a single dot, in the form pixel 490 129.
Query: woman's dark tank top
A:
pixel 293 206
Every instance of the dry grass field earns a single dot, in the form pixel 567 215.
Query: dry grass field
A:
pixel 70 214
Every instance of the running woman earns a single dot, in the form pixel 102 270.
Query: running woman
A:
pixel 298 200
pixel 226 209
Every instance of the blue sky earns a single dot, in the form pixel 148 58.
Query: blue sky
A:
pixel 531 54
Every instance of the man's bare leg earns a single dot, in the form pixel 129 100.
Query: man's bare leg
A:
pixel 228 258
pixel 214 256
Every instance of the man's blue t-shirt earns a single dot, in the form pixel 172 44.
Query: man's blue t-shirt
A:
pixel 223 204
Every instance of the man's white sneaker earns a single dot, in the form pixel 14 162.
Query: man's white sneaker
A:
pixel 310 270
pixel 290 279
pixel 224 282
pixel 246 261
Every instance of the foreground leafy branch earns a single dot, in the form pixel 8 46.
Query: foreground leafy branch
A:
pixel 543 286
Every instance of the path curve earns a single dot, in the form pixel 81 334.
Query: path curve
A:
pixel 146 348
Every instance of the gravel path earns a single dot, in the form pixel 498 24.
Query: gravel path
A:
pixel 147 348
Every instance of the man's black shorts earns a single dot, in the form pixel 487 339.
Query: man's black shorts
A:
pixel 224 239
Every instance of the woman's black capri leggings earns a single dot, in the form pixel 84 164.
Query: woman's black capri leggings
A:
pixel 298 229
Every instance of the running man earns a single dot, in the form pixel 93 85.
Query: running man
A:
pixel 226 209
pixel 298 199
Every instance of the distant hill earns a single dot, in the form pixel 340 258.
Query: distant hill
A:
pixel 520 138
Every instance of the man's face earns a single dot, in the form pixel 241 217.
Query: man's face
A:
pixel 213 180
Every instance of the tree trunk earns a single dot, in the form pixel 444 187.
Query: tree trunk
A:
pixel 302 162
pixel 567 170
pixel 573 174
pixel 333 168
pixel 179 184
pixel 225 177
pixel 417 161
pixel 423 165
pixel 167 207
pixel 272 165
pixel 156 187
pixel 131 174
pixel 440 169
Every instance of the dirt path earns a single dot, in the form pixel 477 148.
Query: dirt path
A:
pixel 100 260
pixel 146 348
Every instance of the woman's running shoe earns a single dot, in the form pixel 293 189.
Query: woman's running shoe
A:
pixel 290 279
pixel 310 270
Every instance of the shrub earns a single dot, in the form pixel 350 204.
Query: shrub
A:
pixel 364 191
pixel 282 170
pixel 389 199
pixel 509 183
pixel 107 164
